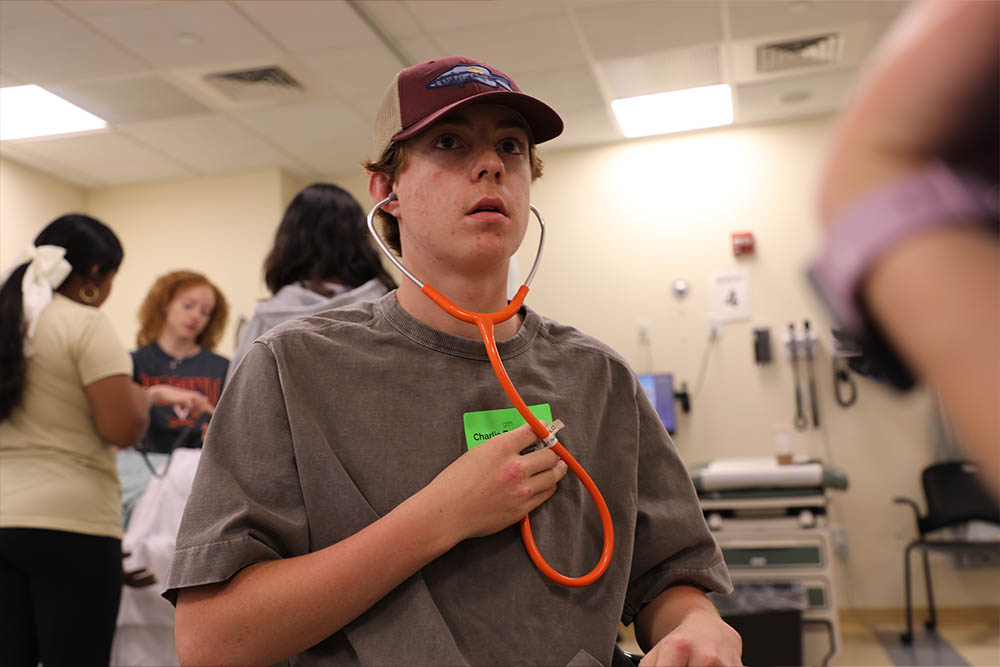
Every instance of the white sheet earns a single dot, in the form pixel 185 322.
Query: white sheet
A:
pixel 145 632
pixel 759 472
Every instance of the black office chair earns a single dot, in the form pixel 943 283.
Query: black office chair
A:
pixel 954 496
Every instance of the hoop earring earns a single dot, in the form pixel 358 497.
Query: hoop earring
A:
pixel 89 293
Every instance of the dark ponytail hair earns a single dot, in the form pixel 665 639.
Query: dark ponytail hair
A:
pixel 88 243
pixel 12 332
pixel 323 237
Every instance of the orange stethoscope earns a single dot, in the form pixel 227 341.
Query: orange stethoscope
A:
pixel 485 322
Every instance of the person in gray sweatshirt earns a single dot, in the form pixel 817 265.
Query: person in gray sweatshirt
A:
pixel 322 258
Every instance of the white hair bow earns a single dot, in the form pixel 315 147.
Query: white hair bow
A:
pixel 47 270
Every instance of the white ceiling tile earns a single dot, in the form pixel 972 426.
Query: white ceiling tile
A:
pixel 393 18
pixel 301 119
pixel 629 29
pixel 663 71
pixel 576 5
pixel 9 80
pixel 585 127
pixel 208 143
pixel 794 97
pixel 443 15
pixel 321 134
pixel 106 157
pixel 62 50
pixel 127 100
pixel 17 153
pixel 548 43
pixel 304 25
pixel 563 89
pixel 749 18
pixel 345 156
pixel 15 13
pixel 95 7
pixel 365 103
pixel 419 48
pixel 187 34
pixel 364 68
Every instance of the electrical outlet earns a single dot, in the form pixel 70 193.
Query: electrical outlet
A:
pixel 642 326
pixel 838 535
pixel 713 329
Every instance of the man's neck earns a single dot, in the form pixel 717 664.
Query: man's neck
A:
pixel 486 295
pixel 178 348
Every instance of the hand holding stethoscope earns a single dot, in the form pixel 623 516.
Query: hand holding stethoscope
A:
pixel 485 322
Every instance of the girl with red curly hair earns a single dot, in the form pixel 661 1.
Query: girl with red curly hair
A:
pixel 181 320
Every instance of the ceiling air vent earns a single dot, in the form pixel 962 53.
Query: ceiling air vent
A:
pixel 796 53
pixel 260 83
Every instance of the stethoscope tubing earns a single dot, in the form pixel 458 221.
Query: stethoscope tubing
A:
pixel 485 322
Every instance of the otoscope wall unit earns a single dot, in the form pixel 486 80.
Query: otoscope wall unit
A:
pixel 796 341
pixel 803 346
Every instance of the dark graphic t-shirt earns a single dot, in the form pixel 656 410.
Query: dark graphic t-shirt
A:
pixel 171 426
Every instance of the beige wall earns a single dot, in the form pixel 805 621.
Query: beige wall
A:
pixel 623 222
pixel 29 200
pixel 221 226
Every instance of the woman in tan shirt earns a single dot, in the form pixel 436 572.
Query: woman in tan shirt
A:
pixel 67 402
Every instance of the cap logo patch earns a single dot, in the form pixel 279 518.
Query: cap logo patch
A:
pixel 459 75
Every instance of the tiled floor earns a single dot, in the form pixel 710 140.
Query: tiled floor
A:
pixel 954 645
pixel 976 644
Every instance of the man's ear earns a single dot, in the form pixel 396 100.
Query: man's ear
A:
pixel 379 188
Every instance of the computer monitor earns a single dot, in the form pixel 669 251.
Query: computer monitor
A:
pixel 659 387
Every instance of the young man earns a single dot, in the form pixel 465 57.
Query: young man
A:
pixel 341 514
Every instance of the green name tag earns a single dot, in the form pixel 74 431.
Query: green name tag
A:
pixel 481 426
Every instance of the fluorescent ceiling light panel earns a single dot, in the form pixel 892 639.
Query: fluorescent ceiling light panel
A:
pixel 31 111
pixel 675 111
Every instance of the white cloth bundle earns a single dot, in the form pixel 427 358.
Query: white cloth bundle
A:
pixel 47 270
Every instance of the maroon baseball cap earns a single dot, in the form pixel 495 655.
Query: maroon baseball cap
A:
pixel 421 94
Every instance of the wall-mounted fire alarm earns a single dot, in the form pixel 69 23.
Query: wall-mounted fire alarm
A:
pixel 742 243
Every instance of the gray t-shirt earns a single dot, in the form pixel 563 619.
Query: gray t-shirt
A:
pixel 333 420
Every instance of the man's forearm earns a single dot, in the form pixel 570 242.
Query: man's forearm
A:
pixel 659 618
pixel 272 610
